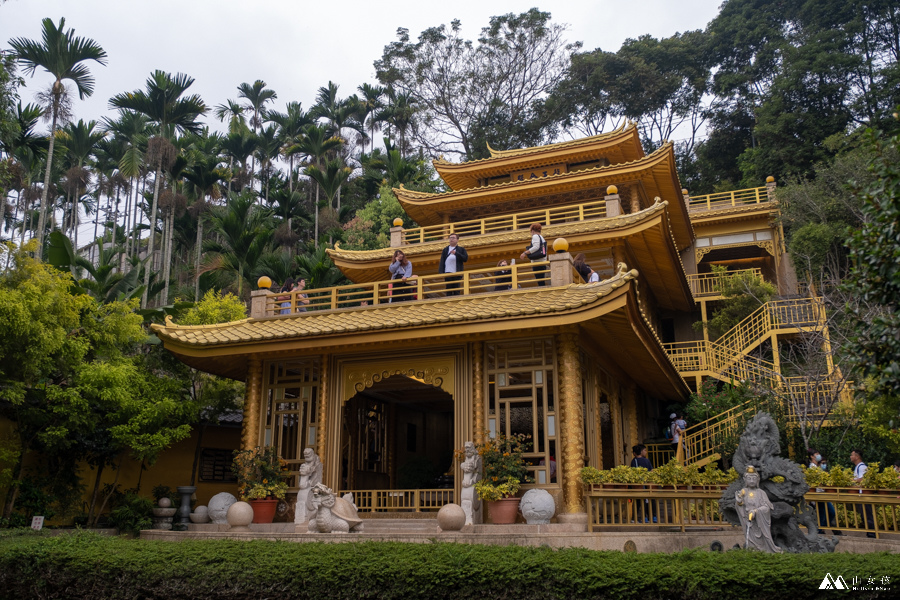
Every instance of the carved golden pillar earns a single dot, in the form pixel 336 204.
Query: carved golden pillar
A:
pixel 252 405
pixel 321 437
pixel 572 425
pixel 478 399
pixel 631 411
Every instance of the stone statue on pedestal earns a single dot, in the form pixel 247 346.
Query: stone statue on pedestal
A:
pixel 310 476
pixel 755 511
pixel 471 468
pixel 782 483
pixel 332 514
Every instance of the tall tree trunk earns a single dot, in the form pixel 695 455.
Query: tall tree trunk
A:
pixel 167 256
pixel 95 493
pixel 42 220
pixel 197 450
pixel 317 215
pixel 150 244
pixel 197 261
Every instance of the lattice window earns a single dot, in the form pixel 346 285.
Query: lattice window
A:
pixel 522 399
pixel 215 465
pixel 291 410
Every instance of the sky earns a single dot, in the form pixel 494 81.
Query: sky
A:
pixel 298 46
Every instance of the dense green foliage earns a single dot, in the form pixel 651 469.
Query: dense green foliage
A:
pixel 56 567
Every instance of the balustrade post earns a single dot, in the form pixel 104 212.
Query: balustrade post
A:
pixel 613 205
pixel 258 303
pixel 560 269
pixel 396 237
pixel 334 297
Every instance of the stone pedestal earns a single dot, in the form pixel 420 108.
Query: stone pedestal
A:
pixel 162 518
pixel 184 511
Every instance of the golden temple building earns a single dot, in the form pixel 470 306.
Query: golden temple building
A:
pixel 385 390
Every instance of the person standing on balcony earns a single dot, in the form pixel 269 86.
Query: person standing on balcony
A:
pixel 286 300
pixel 401 273
pixel 537 253
pixel 639 454
pixel 503 279
pixel 302 299
pixel 453 259
pixel 582 267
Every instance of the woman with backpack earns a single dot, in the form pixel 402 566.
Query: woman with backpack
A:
pixel 537 253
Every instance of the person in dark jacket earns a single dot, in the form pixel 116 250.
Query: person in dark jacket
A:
pixel 453 260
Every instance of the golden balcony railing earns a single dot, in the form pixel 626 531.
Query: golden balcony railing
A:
pixel 710 284
pixel 635 506
pixel 499 223
pixel 425 287
pixel 420 500
pixel 746 197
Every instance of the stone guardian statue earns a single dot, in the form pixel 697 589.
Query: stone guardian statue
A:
pixel 310 476
pixel 471 468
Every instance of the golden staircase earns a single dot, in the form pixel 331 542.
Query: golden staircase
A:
pixel 728 359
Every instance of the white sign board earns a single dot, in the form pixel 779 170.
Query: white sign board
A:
pixel 37 523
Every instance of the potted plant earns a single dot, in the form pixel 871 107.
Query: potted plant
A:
pixel 260 473
pixel 669 474
pixel 816 478
pixel 840 477
pixel 594 477
pixel 888 481
pixel 504 470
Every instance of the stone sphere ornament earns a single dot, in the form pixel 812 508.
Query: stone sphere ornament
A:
pixel 218 507
pixel 451 517
pixel 537 507
pixel 200 515
pixel 164 502
pixel 560 245
pixel 240 515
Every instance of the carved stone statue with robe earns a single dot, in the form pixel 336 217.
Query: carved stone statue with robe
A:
pixel 471 468
pixel 755 511
pixel 310 476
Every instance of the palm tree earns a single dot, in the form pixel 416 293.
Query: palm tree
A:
pixel 233 112
pixel 80 141
pixel 204 174
pixel 315 145
pixel 291 125
pixel 162 104
pixel 257 95
pixel 269 148
pixel 63 55
pixel 133 129
pixel 238 145
pixel 26 148
pixel 370 104
pixel 244 234
pixel 330 180
pixel 399 113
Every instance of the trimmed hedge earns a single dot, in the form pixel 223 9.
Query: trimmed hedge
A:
pixel 85 565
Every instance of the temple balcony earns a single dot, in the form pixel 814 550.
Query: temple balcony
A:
pixel 748 199
pixel 502 223
pixel 557 271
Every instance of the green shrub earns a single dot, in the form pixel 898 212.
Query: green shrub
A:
pixel 85 565
pixel 131 514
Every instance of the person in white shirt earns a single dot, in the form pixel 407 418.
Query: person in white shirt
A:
pixel 537 253
pixel 859 469
pixel 453 260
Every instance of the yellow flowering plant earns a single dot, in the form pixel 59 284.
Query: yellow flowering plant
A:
pixel 260 473
pixel 504 466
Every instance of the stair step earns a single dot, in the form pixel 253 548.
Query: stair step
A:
pixel 400 525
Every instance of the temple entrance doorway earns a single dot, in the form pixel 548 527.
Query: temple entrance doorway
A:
pixel 397 435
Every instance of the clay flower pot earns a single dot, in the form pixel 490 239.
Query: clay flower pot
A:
pixel 264 510
pixel 503 511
